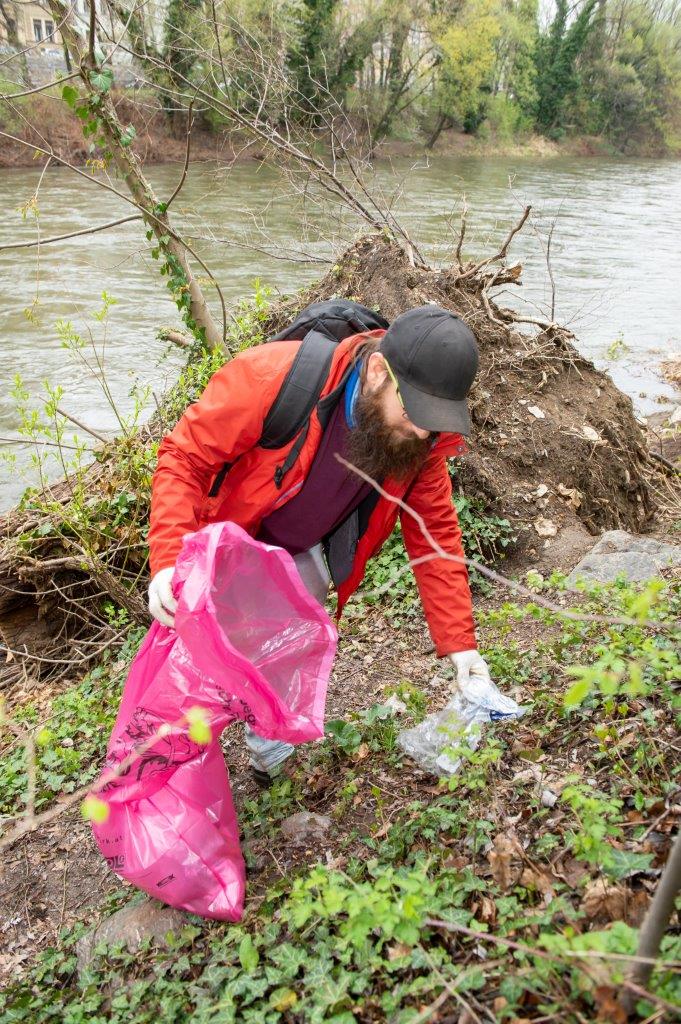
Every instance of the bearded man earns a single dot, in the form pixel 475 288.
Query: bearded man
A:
pixel 393 405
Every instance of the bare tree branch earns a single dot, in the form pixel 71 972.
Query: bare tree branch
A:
pixel 72 234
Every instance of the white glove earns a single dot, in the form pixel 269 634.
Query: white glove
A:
pixel 472 673
pixel 162 604
pixel 475 692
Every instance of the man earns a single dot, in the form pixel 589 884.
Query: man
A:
pixel 394 405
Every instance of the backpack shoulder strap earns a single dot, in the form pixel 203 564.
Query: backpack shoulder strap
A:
pixel 300 390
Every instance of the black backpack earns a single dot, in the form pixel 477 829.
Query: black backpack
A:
pixel 321 325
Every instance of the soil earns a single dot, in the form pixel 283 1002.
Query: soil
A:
pixel 154 143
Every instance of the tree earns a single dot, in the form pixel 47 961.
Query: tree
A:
pixel 629 77
pixel 467 48
pixel 556 58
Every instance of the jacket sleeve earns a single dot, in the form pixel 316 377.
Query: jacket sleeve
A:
pixel 224 423
pixel 443 584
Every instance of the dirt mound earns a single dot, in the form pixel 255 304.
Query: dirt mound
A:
pixel 555 443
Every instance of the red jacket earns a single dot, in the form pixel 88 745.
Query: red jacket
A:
pixel 226 424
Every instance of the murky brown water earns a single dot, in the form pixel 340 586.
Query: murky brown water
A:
pixel 616 261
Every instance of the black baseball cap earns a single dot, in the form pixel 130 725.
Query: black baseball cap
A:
pixel 434 357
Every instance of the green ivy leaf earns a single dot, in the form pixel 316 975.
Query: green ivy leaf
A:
pixel 102 80
pixel 69 95
pixel 623 863
pixel 248 954
pixel 577 693
pixel 128 136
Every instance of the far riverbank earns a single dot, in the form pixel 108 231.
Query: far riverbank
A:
pixel 60 130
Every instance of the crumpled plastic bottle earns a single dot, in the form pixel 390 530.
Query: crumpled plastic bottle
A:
pixel 474 703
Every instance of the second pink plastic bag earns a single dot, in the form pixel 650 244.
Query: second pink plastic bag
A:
pixel 249 643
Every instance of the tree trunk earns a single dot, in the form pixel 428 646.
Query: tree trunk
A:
pixel 155 216
pixel 655 922
pixel 443 121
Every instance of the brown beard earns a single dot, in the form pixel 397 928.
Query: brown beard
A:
pixel 377 449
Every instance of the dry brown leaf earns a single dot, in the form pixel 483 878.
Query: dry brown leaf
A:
pixel 572 871
pixel 488 910
pixel 532 878
pixel 397 950
pixel 545 527
pixel 456 862
pixel 609 1007
pixel 604 901
pixel 504 860
pixel 383 830
pixel 591 434
pixel 361 753
pixel 571 493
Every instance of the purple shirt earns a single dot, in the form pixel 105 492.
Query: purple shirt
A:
pixel 328 496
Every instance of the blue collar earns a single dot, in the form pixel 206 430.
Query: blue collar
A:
pixel 351 394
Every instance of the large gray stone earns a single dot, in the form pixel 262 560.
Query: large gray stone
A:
pixel 639 558
pixel 130 927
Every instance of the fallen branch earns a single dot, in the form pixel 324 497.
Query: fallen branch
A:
pixel 176 337
pixel 83 426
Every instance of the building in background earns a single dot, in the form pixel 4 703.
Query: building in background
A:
pixel 26 24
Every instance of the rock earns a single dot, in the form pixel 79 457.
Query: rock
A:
pixel 130 927
pixel 639 558
pixel 548 798
pixel 305 825
pixel 397 706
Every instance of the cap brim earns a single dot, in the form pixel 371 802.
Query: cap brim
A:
pixel 441 415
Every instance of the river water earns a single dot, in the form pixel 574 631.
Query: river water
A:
pixel 615 258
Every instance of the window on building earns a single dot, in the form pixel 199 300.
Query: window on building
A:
pixel 49 29
pixel 38 31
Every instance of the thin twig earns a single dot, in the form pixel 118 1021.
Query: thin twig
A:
pixel 572 954
pixel 39 88
pixel 72 234
pixel 91 34
pixel 190 122
pixel 462 234
pixel 478 267
pixel 83 426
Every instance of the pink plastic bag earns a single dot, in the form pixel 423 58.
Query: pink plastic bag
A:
pixel 249 642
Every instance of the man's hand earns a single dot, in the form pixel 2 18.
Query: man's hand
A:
pixel 470 668
pixel 162 604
